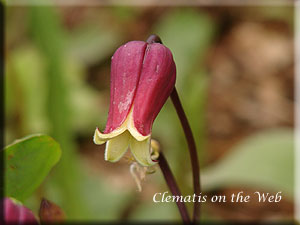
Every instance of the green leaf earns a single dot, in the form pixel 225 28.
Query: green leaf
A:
pixel 264 161
pixel 89 45
pixel 27 162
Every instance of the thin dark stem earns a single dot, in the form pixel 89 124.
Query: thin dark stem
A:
pixel 162 160
pixel 192 149
pixel 154 39
pixel 173 187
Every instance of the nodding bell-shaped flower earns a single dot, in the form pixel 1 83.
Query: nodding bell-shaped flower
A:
pixel 142 78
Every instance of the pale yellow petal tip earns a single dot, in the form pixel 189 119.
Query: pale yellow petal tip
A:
pixel 100 138
pixel 97 138
pixel 141 152
pixel 117 147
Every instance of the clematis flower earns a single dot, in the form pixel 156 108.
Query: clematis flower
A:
pixel 17 214
pixel 142 78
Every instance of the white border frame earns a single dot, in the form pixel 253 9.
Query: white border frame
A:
pixel 295 3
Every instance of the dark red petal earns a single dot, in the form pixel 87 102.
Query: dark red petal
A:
pixel 14 213
pixel 125 72
pixel 156 83
pixel 11 210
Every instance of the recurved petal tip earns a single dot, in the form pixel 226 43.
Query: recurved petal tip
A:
pixel 117 147
pixel 97 137
pixel 100 138
pixel 141 151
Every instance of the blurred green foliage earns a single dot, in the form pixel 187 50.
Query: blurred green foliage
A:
pixel 49 37
pixel 264 160
pixel 48 89
pixel 27 163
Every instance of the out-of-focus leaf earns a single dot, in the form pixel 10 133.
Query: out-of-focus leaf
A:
pixel 187 33
pixel 84 100
pixel 265 161
pixel 90 44
pixel 49 35
pixel 9 105
pixel 26 89
pixel 27 162
pixel 195 107
pixel 103 200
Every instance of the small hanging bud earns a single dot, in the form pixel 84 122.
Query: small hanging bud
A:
pixel 50 212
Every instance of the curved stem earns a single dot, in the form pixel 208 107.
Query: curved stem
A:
pixel 192 149
pixel 193 154
pixel 173 187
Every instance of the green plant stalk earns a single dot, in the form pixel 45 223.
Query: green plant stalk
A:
pixel 48 34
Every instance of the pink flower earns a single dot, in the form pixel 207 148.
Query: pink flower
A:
pixel 17 214
pixel 142 78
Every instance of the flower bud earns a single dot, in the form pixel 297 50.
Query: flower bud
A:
pixel 50 212
pixel 142 78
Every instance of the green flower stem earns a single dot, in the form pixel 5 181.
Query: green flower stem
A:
pixel 192 150
pixel 173 187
